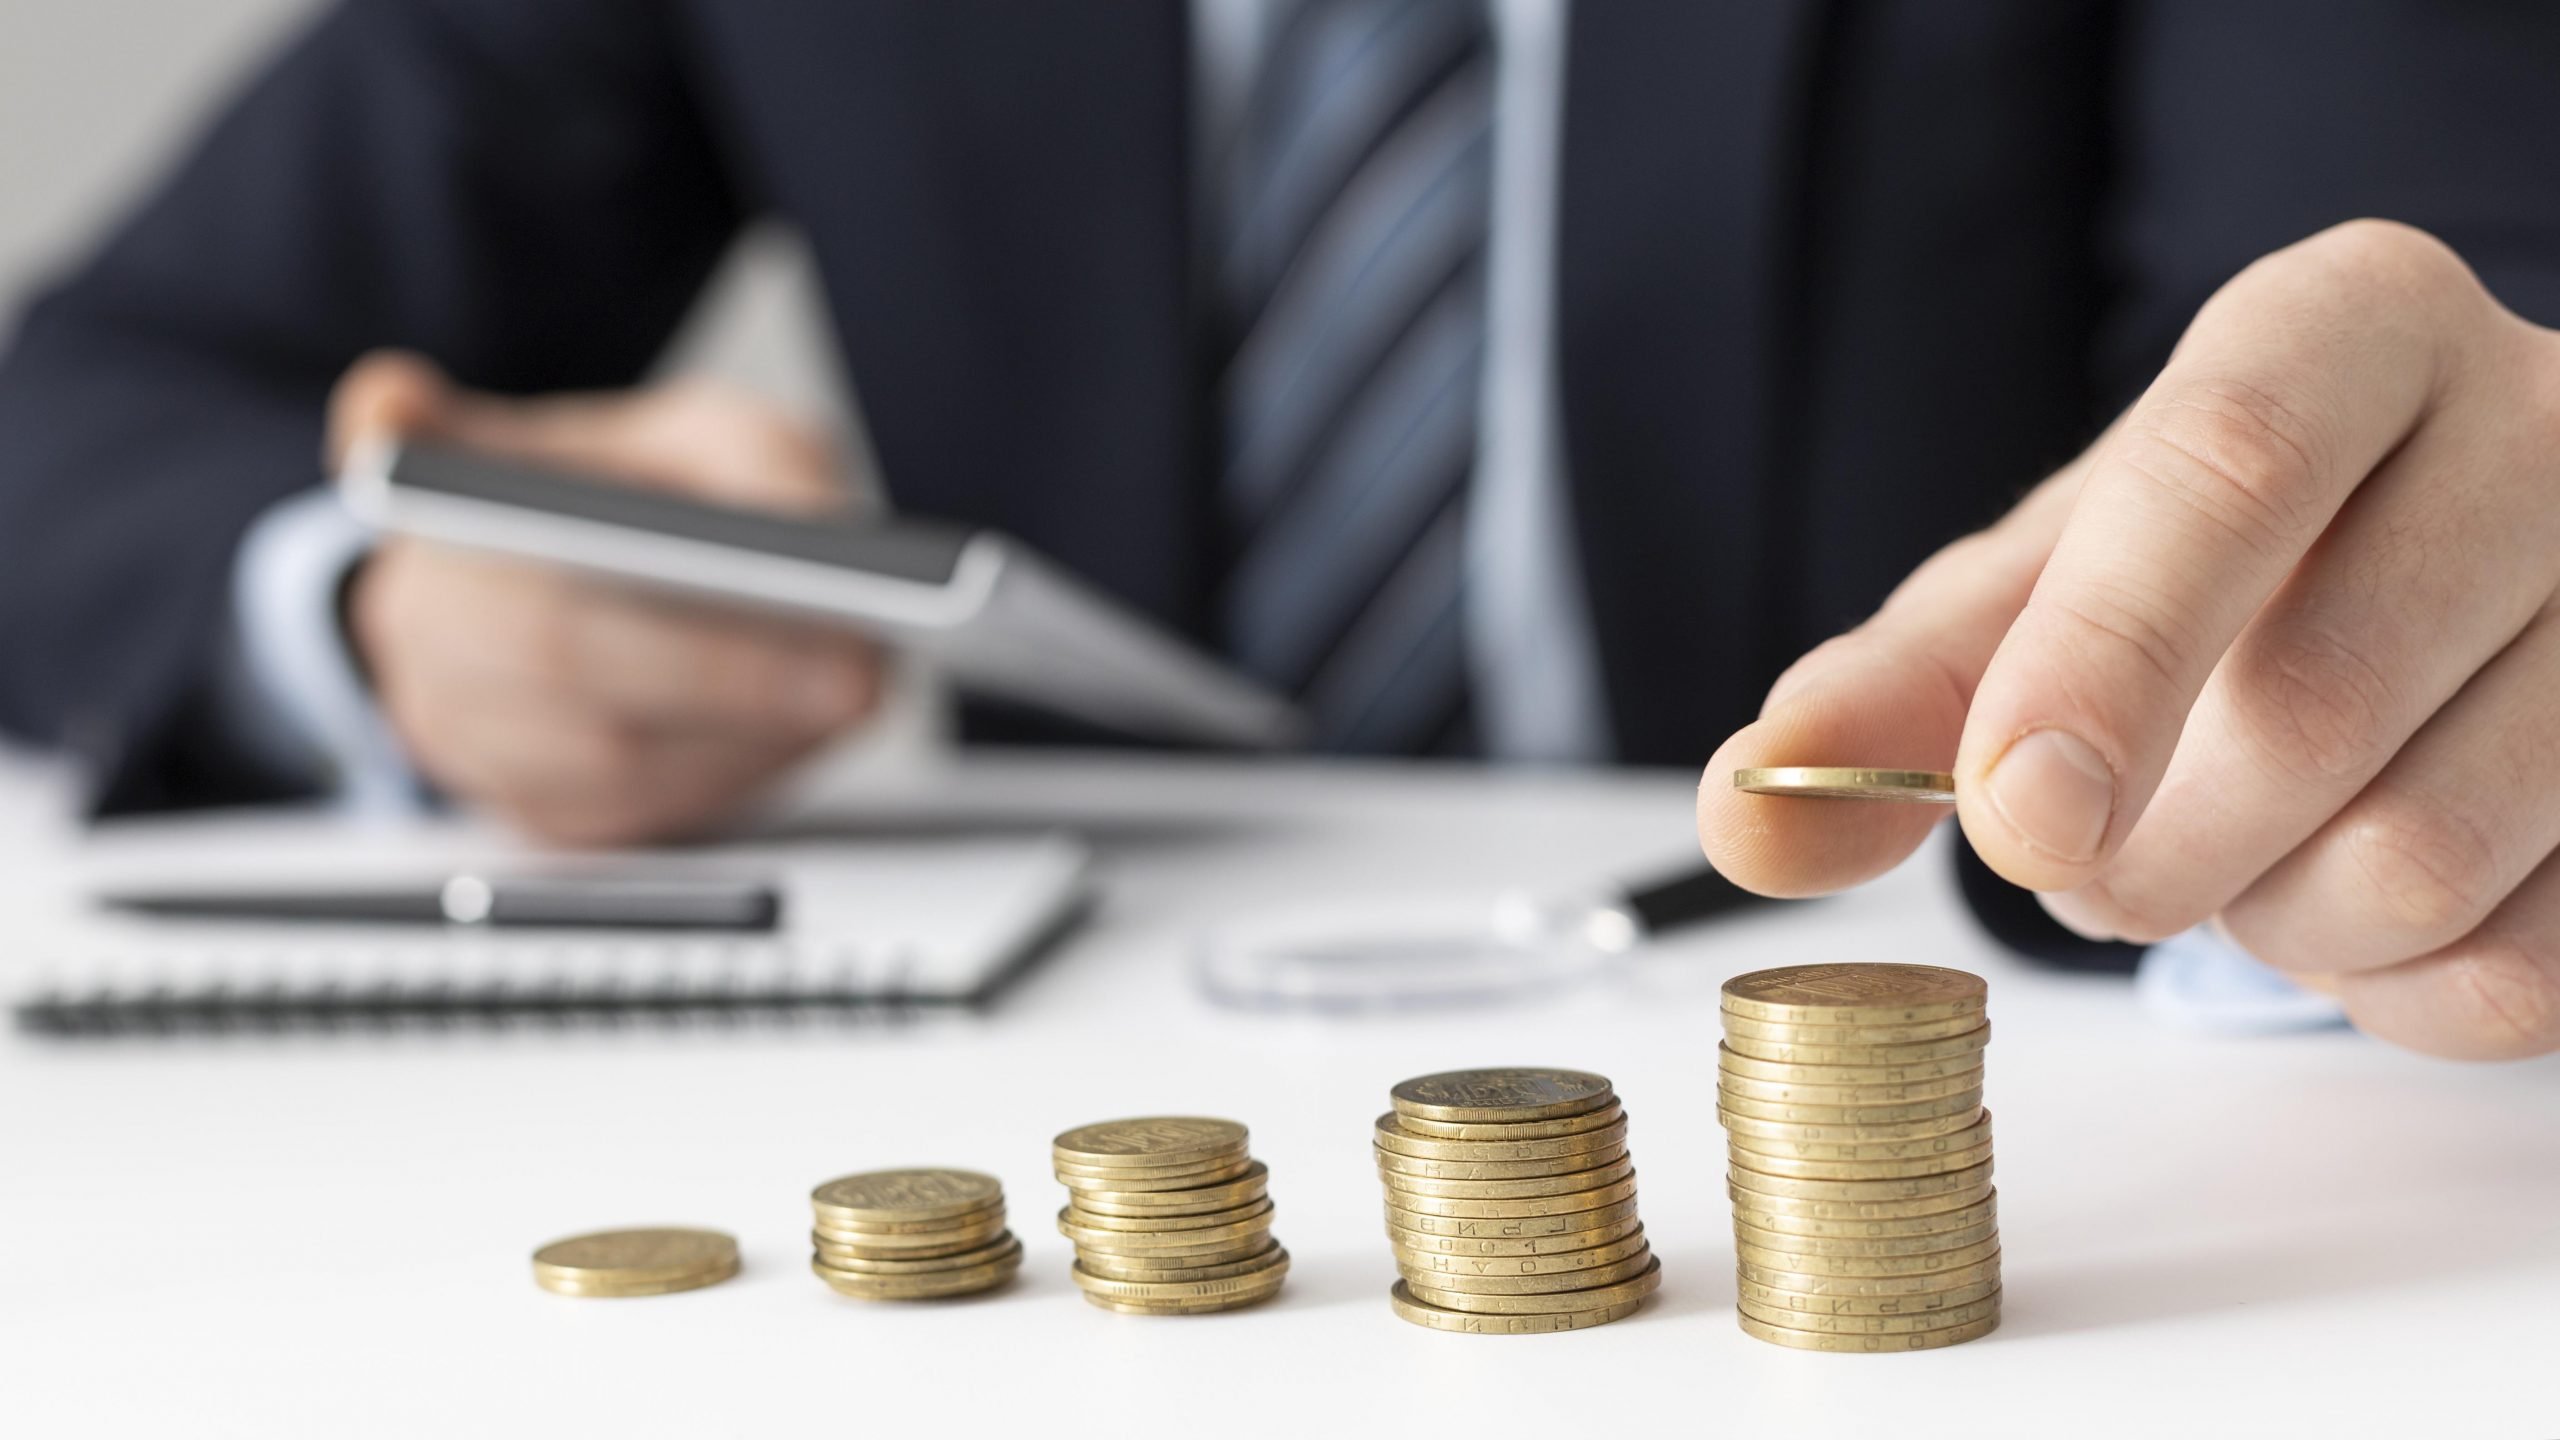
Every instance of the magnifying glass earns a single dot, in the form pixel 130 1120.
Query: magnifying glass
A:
pixel 1415 957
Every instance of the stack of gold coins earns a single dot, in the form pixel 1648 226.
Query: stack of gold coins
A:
pixel 1169 1215
pixel 1863 1213
pixel 635 1262
pixel 912 1235
pixel 1511 1202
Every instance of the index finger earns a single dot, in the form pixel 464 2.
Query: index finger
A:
pixel 2291 386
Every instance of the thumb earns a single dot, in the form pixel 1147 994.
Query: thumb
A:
pixel 385 395
pixel 1891 694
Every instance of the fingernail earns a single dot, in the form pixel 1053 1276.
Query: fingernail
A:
pixel 2056 792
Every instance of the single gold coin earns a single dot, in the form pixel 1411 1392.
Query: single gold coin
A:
pixel 1500 1267
pixel 1926 1302
pixel 1880 1227
pixel 1910 1032
pixel 1512 1227
pixel 1244 1190
pixel 1427 1282
pixel 1869 1267
pixel 1459 1322
pixel 1867 1286
pixel 996 1250
pixel 941 1226
pixel 1113 1267
pixel 1513 1247
pixel 1914 1187
pixel 1893 1072
pixel 1961 1102
pixel 1509 1132
pixel 1940 1163
pixel 1844 782
pixel 1946 1319
pixel 1569 1183
pixel 1867 1344
pixel 941 1285
pixel 1235 1167
pixel 1597 1297
pixel 1500 1094
pixel 1734 1091
pixel 915 1244
pixel 1176 1307
pixel 1882 1133
pixel 1257 1276
pixel 1169 1224
pixel 1173 1264
pixel 1902 1207
pixel 1148 1142
pixel 1854 994
pixel 631 1263
pixel 1139 1242
pixel 1781 1241
pixel 877 1197
pixel 1391 1163
pixel 1392 1135
pixel 1882 1057
pixel 1519 1208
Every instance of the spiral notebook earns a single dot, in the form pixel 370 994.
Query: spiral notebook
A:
pixel 866 928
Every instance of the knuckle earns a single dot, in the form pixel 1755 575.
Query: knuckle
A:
pixel 2235 455
pixel 2312 706
pixel 2112 618
pixel 2430 871
pixel 2367 251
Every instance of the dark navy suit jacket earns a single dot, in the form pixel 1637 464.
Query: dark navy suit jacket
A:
pixel 1837 279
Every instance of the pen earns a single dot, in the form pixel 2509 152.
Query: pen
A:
pixel 488 902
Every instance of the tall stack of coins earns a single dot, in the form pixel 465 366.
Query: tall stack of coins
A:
pixel 1863 1213
pixel 1170 1215
pixel 613 1263
pixel 1511 1202
pixel 912 1235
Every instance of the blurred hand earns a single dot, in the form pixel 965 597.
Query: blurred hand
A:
pixel 582 712
pixel 2281 650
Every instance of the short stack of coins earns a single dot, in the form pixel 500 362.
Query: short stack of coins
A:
pixel 912 1235
pixel 1170 1215
pixel 1511 1202
pixel 1863 1213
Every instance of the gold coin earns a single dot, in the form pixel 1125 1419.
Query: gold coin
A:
pixel 1139 1242
pixel 880 1197
pixel 1953 1047
pixel 1570 1183
pixel 1148 1142
pixel 942 1285
pixel 832 1220
pixel 1946 1319
pixel 1739 1092
pixel 1763 1208
pixel 1458 1322
pixel 912 1244
pixel 1513 1247
pixel 1938 1163
pixel 1501 1094
pixel 629 1263
pixel 1913 1032
pixel 1260 1274
pixel 1169 1224
pixel 1392 1135
pixel 1114 1267
pixel 1881 1133
pixel 1846 782
pixel 1132 1183
pixel 1523 1207
pixel 1151 1265
pixel 1598 1297
pixel 1427 1281
pixel 1854 994
pixel 1000 1248
pixel 1867 1286
pixel 1513 1267
pixel 1893 1070
pixel 1915 1187
pixel 1881 1227
pixel 1868 1344
pixel 1513 1227
pixel 1244 1189
pixel 1390 1163
pixel 1927 1302
pixel 1868 1267
pixel 1781 1242
pixel 1203 1307
pixel 1507 1132
pixel 1961 1102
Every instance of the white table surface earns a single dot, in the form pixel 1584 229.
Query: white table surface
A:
pixel 328 1235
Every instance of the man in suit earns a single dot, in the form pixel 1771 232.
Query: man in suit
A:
pixel 1503 377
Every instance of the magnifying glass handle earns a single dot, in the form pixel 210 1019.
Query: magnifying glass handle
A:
pixel 1684 899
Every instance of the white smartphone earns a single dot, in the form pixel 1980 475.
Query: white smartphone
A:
pixel 998 619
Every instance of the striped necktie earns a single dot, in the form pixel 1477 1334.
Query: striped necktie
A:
pixel 1353 268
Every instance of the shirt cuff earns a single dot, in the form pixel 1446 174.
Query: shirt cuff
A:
pixel 289 687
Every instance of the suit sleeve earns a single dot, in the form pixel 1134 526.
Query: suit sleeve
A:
pixel 523 189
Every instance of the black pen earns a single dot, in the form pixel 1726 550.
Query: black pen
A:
pixel 592 903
